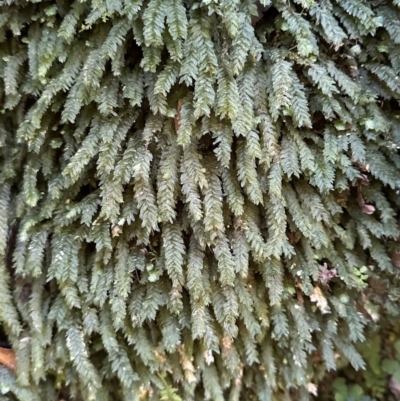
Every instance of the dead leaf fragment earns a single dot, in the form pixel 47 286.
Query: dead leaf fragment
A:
pixel 396 259
pixel 368 209
pixel 318 297
pixel 116 231
pixel 364 179
pixel 312 389
pixel 300 297
pixel 177 118
pixel 325 274
pixel 187 365
pixel 7 358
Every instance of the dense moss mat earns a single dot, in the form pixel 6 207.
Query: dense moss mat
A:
pixel 198 199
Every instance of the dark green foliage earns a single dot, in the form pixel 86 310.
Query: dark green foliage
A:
pixel 197 200
pixel 381 378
